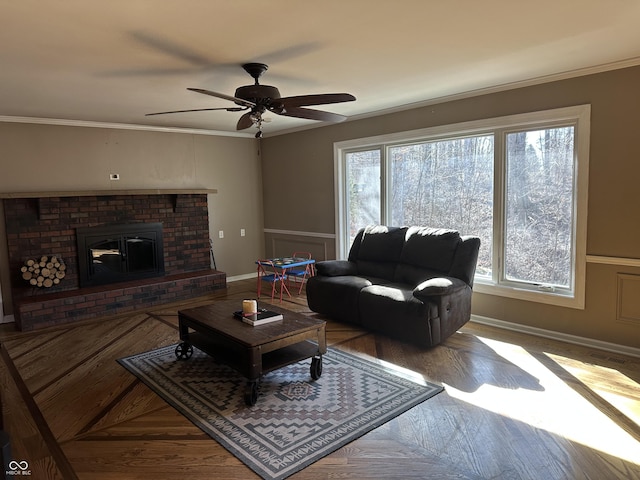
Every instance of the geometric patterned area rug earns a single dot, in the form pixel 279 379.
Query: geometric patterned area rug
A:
pixel 296 420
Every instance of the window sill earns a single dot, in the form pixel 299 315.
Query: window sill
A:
pixel 550 298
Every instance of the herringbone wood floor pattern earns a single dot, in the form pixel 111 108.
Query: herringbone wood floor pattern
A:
pixel 515 407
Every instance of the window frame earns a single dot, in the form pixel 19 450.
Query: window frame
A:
pixel 578 116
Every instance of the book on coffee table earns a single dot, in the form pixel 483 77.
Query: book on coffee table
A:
pixel 260 318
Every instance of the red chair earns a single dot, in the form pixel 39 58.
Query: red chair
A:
pixel 301 273
pixel 267 272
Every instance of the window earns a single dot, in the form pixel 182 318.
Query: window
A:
pixel 517 182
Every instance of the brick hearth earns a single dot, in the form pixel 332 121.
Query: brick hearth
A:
pixel 46 226
pixel 74 305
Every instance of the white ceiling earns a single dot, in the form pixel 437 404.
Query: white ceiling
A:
pixel 112 61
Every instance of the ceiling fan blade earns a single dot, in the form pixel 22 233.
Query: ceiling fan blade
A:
pixel 165 45
pixel 237 100
pixel 311 114
pixel 287 53
pixel 233 109
pixel 318 99
pixel 146 72
pixel 245 121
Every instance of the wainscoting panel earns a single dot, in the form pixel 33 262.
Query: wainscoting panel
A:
pixel 628 302
pixel 282 243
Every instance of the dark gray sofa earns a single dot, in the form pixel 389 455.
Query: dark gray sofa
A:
pixel 410 283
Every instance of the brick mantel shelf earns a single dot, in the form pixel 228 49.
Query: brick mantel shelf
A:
pixel 174 193
pixel 88 193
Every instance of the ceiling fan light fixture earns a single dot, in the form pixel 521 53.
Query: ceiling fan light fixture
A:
pixel 256 118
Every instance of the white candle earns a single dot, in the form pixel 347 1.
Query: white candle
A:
pixel 249 306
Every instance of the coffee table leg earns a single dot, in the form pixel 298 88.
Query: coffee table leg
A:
pixel 316 367
pixel 251 393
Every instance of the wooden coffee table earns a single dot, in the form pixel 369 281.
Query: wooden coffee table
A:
pixel 252 351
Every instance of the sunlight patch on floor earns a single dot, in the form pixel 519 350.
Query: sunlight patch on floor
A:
pixel 608 383
pixel 556 408
pixel 402 372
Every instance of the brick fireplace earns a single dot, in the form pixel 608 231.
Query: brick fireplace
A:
pixel 46 226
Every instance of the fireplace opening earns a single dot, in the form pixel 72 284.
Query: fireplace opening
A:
pixel 118 253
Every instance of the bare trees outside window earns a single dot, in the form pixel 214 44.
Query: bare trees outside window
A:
pixel 539 213
pixel 446 184
pixel 363 174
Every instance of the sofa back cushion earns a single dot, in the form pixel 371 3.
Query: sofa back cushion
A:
pixel 432 248
pixel 411 255
pixel 427 252
pixel 377 249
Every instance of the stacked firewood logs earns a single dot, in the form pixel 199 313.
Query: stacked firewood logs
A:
pixel 44 271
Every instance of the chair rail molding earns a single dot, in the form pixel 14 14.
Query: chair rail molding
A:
pixel 299 233
pixel 622 261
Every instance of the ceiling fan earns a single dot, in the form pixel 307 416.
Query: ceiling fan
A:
pixel 257 99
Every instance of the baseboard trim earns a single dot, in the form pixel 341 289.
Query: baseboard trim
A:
pixel 563 337
pixel 245 276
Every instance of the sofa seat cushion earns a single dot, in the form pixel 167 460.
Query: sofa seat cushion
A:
pixel 394 311
pixel 398 299
pixel 336 296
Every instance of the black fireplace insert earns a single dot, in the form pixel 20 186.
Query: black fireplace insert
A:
pixel 117 253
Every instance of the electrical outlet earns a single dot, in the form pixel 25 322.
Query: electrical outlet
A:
pixel 242 232
pixel 220 234
pixel 114 176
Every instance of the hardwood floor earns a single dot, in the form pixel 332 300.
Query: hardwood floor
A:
pixel 514 407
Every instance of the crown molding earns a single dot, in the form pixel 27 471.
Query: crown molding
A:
pixel 120 126
pixel 556 77
pixel 631 62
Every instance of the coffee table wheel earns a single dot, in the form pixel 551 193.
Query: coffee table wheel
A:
pixel 184 351
pixel 316 367
pixel 251 393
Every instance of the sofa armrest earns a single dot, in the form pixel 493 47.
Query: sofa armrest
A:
pixel 438 286
pixel 336 268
